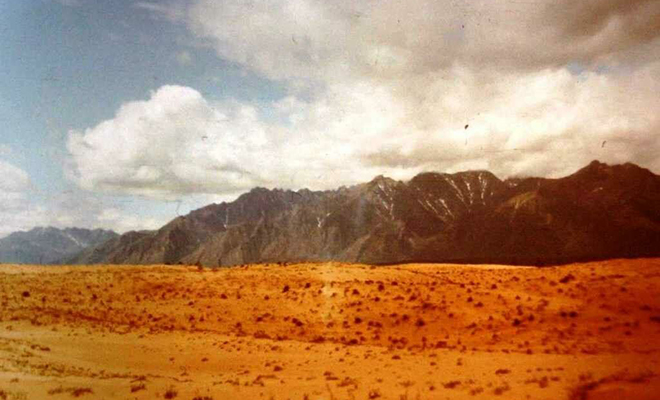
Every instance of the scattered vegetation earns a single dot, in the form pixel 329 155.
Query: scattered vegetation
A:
pixel 581 391
pixel 138 387
pixel 75 392
pixel 170 393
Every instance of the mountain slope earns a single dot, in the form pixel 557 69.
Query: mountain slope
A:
pixel 47 245
pixel 600 211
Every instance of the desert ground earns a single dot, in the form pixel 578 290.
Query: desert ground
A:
pixel 331 331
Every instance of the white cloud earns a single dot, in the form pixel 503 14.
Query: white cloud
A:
pixel 178 143
pixel 546 123
pixel 13 180
pixel 389 89
pixel 16 211
pixel 174 143
pixel 120 221
pixel 549 123
pixel 21 208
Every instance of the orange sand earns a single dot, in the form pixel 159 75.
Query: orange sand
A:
pixel 331 331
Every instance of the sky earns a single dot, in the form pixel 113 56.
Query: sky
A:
pixel 124 114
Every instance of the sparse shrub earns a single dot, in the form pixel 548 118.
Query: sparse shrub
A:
pixel 170 393
pixel 407 384
pixel 501 389
pixel 138 387
pixel 347 382
pixel 261 335
pixel 451 384
pixel 81 391
pixel 75 392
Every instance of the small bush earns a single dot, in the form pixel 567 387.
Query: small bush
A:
pixel 170 393
pixel 81 391
pixel 374 394
pixel 138 387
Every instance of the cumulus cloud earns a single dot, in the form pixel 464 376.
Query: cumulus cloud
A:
pixel 21 208
pixel 15 209
pixel 546 123
pixel 520 88
pixel 120 221
pixel 13 181
pixel 175 142
pixel 178 143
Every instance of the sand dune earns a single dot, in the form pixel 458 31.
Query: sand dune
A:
pixel 331 331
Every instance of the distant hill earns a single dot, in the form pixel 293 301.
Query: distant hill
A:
pixel 599 212
pixel 49 245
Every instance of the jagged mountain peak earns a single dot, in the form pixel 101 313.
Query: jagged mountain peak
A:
pixel 602 169
pixel 383 179
pixel 469 216
pixel 461 175
pixel 382 183
pixel 612 178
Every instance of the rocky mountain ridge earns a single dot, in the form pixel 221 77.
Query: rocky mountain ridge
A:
pixel 48 245
pixel 601 211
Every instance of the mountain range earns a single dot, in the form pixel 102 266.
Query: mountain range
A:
pixel 48 245
pixel 601 211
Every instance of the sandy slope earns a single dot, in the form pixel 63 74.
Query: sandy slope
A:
pixel 331 331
